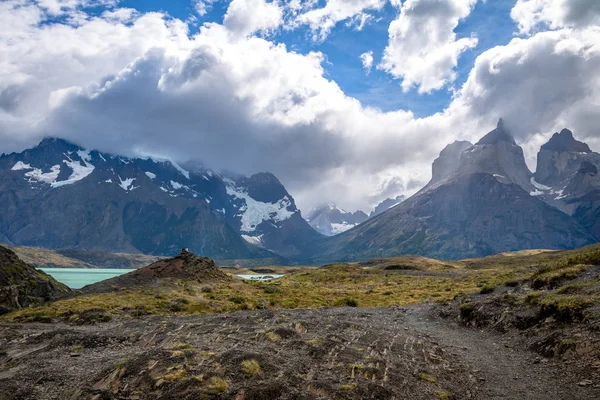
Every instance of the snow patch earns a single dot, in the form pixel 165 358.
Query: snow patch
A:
pixel 108 181
pixel 177 186
pixel 339 228
pixel 536 193
pixel 48 177
pixel 126 184
pixel 539 185
pixel 79 171
pixel 256 240
pixel 20 165
pixel 150 175
pixel 183 171
pixel 253 212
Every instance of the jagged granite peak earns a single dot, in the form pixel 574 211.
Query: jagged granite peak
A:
pixel 489 204
pixel 386 205
pixel 448 161
pixel 500 134
pixel 329 219
pixel 22 285
pixel 560 158
pixel 564 141
pixel 498 155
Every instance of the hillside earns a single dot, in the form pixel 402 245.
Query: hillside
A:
pixel 21 285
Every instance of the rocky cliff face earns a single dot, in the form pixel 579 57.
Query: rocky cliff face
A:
pixel 448 162
pixel 560 158
pixel 22 285
pixel 58 195
pixel 484 206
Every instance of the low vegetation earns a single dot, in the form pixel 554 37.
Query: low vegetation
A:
pixel 376 283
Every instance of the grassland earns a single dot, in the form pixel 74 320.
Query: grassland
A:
pixel 375 283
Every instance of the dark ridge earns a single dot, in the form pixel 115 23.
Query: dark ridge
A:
pixel 564 141
pixel 500 134
pixel 587 168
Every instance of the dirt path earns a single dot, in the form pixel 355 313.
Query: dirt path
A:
pixel 504 370
pixel 340 353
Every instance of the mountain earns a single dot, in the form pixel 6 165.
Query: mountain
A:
pixel 330 220
pixel 21 285
pixel 59 195
pixel 386 204
pixel 476 206
pixel 567 178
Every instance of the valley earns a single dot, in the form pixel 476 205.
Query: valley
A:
pixel 511 326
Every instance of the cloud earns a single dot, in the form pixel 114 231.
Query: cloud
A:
pixel 367 61
pixel 423 49
pixel 246 103
pixel 533 14
pixel 202 7
pixel 322 20
pixel 246 17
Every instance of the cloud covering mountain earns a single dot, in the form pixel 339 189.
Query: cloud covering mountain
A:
pixel 236 94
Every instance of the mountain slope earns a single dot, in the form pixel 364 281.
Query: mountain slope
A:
pixel 482 207
pixel 22 285
pixel 58 195
pixel 331 220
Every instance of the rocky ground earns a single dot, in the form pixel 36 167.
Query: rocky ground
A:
pixel 414 352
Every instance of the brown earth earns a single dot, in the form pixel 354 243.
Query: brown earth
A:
pixel 339 353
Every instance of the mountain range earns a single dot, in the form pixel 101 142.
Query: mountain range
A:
pixel 59 195
pixel 482 199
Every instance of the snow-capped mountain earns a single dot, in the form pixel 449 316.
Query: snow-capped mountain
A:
pixel 60 195
pixel 331 220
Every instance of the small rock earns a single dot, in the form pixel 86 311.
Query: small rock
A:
pixel 75 355
pixel 585 382
pixel 159 383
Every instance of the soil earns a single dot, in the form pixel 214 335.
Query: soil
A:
pixel 338 353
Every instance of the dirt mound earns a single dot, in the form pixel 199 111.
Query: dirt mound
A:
pixel 22 285
pixel 185 265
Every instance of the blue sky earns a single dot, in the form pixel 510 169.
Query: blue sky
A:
pixel 490 21
pixel 230 96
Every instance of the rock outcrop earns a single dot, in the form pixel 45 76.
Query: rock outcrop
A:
pixel 21 285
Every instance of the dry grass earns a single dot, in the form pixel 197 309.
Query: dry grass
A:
pixel 364 285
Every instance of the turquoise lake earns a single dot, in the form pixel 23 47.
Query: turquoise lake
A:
pixel 76 278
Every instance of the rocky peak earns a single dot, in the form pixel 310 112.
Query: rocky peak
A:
pixel 561 158
pixel 564 141
pixel 500 134
pixel 448 161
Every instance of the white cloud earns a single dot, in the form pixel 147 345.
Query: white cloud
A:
pixel 367 61
pixel 245 17
pixel 202 7
pixel 59 7
pixel 247 104
pixel 322 20
pixel 423 49
pixel 534 14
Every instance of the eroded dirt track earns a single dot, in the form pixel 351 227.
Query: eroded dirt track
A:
pixel 340 353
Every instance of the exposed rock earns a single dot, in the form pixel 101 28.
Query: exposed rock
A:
pixel 483 207
pixel 331 220
pixel 449 160
pixel 386 205
pixel 21 285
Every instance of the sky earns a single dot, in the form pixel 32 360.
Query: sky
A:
pixel 345 101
